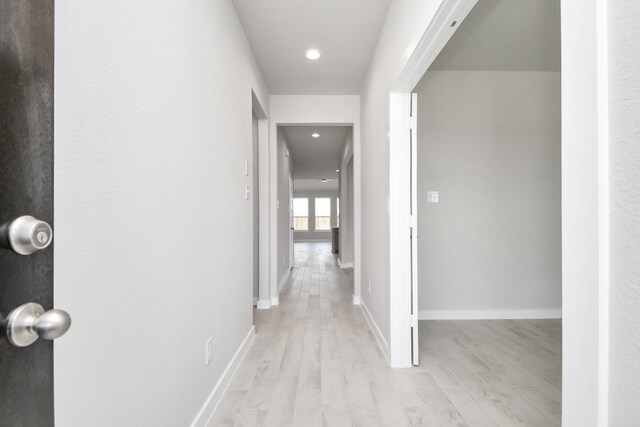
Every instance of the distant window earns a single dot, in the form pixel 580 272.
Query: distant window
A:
pixel 323 213
pixel 301 214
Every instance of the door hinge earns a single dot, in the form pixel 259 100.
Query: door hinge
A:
pixel 412 320
pixel 411 122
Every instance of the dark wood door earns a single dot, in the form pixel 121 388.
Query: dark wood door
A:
pixel 26 188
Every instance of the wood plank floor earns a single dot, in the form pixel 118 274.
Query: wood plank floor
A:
pixel 315 363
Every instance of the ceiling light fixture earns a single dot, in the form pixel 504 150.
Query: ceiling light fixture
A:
pixel 315 135
pixel 313 54
pixel 337 170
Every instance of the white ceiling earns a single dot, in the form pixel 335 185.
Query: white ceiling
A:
pixel 507 35
pixel 315 185
pixel 280 31
pixel 315 157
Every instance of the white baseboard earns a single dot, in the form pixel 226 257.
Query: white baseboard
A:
pixel 382 343
pixel 356 300
pixel 210 405
pixel 275 300
pixel 263 305
pixel 489 314
pixel 284 280
pixel 344 264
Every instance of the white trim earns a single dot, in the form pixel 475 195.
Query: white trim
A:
pixel 356 300
pixel 275 301
pixel 283 280
pixel 431 43
pixel 382 343
pixel 400 354
pixel 344 264
pixel 210 405
pixel 263 305
pixel 585 213
pixel 263 203
pixel 604 230
pixel 489 314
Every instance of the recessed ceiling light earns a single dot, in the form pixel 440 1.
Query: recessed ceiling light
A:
pixel 313 54
pixel 337 170
pixel 315 135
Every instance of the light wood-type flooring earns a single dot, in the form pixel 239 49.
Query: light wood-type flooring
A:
pixel 315 362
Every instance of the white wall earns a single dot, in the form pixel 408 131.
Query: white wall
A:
pixel 347 203
pixel 283 171
pixel 152 128
pixel 489 142
pixel 318 109
pixel 347 236
pixel 406 22
pixel 624 97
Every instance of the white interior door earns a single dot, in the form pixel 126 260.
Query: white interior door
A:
pixel 415 347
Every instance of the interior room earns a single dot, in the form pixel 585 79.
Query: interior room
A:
pixel 489 205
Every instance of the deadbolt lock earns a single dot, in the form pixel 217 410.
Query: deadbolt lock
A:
pixel 25 235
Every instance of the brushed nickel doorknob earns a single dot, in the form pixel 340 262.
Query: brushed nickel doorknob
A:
pixel 26 235
pixel 29 322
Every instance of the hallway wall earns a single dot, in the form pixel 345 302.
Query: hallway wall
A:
pixel 284 171
pixel 346 189
pixel 152 129
pixel 624 101
pixel 489 142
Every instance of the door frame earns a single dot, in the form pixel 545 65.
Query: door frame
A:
pixel 585 200
pixel 315 110
pixel 263 203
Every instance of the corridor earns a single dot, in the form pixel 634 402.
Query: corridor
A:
pixel 315 362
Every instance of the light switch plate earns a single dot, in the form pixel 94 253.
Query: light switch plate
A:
pixel 432 196
pixel 246 168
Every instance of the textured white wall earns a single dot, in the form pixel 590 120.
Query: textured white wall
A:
pixel 405 24
pixel 347 203
pixel 489 142
pixel 347 236
pixel 283 171
pixel 152 128
pixel 624 97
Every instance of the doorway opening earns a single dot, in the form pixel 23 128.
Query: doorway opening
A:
pixel 477 170
pixel 585 200
pixel 313 179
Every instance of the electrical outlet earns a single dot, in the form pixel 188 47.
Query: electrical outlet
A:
pixel 432 196
pixel 369 288
pixel 208 355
